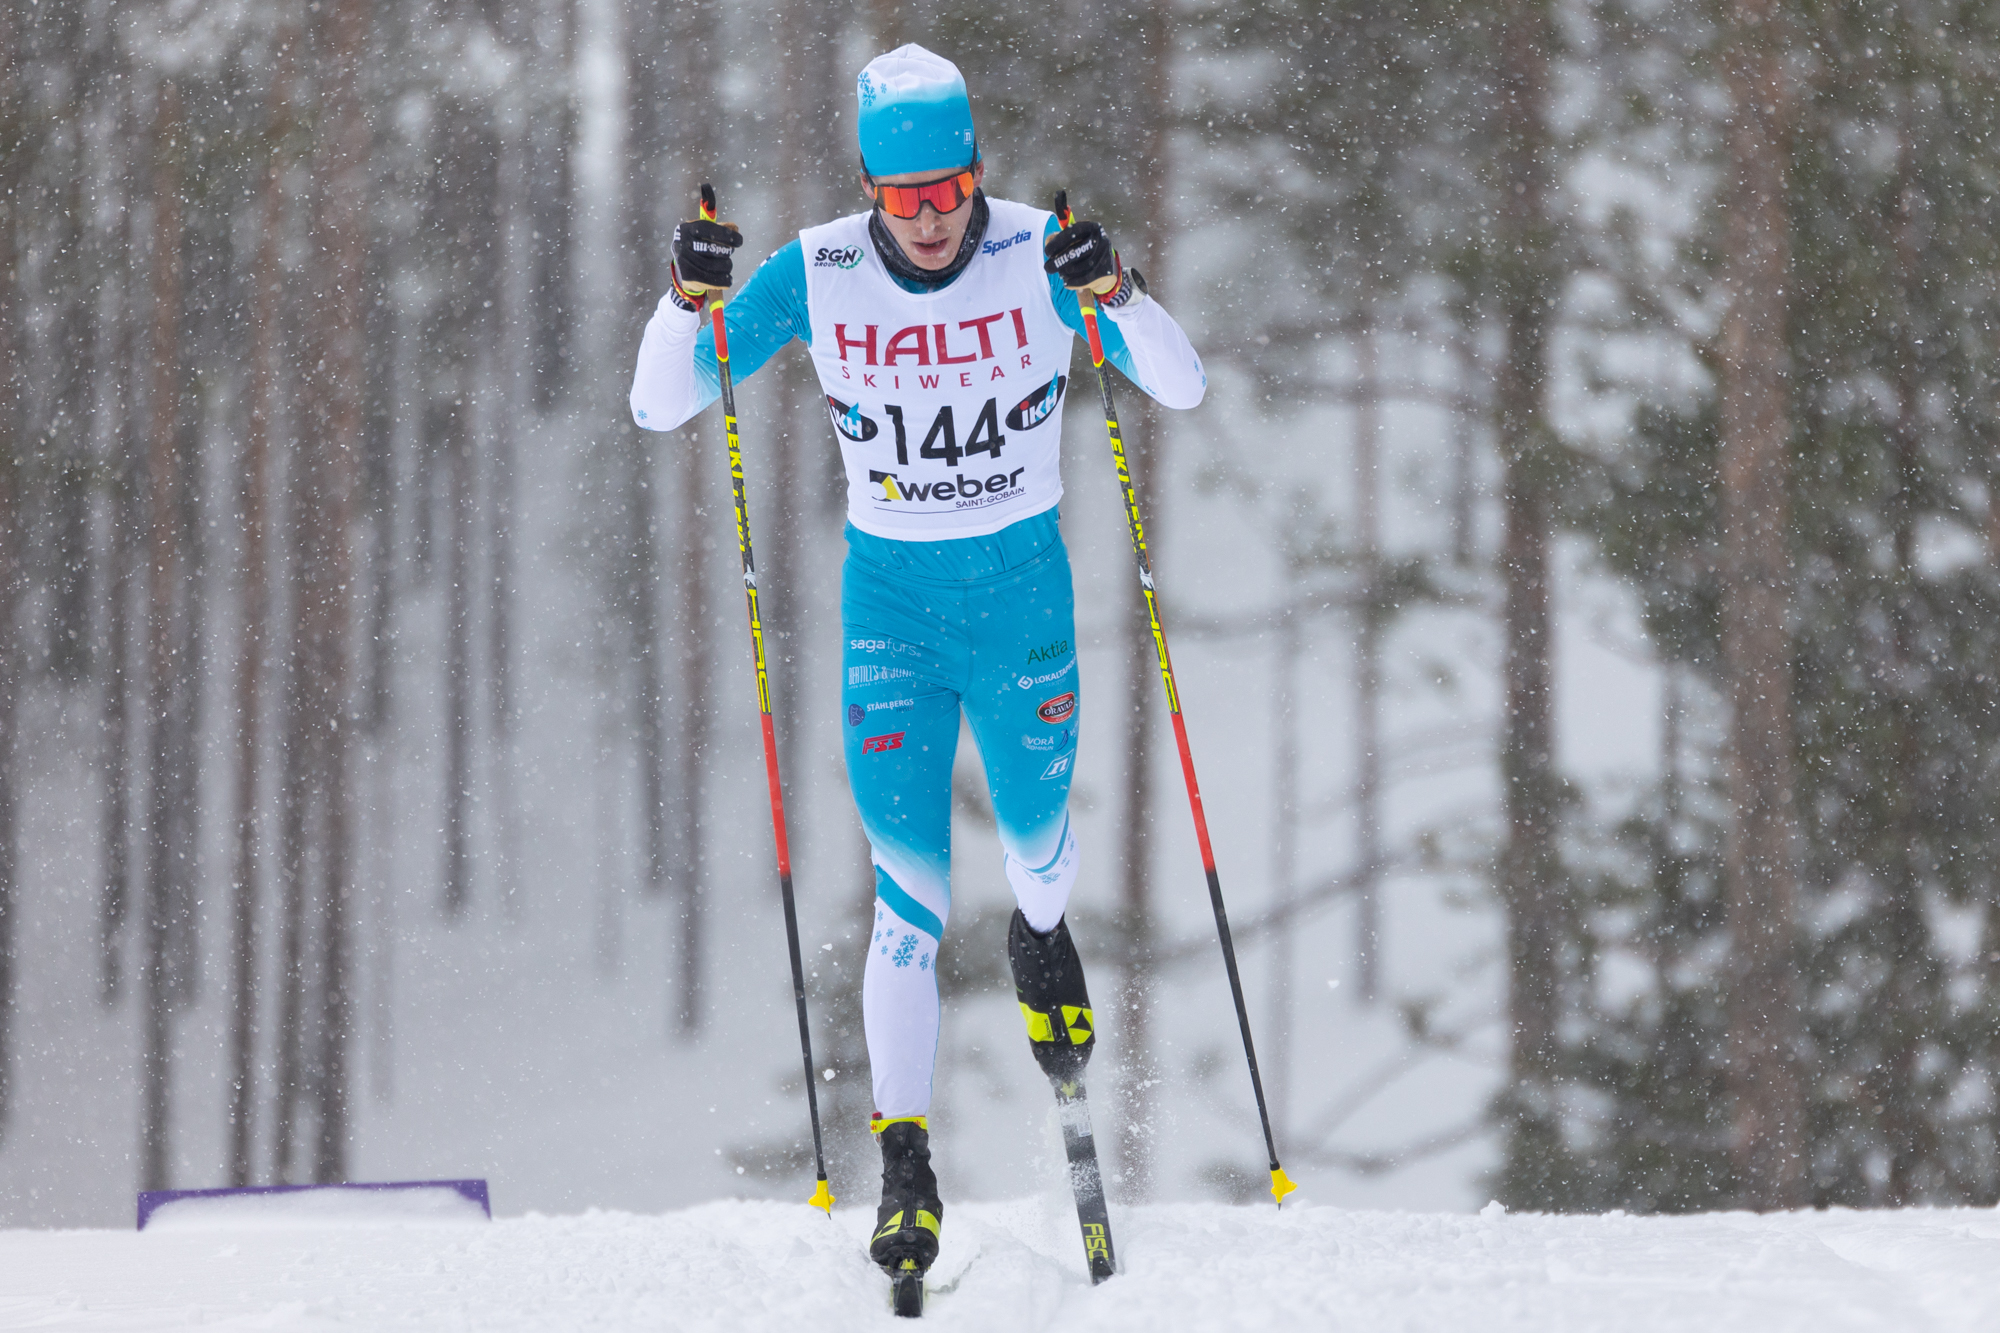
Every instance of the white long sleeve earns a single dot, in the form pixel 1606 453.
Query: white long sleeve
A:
pixel 1164 361
pixel 666 387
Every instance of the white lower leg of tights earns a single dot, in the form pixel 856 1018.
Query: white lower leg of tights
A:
pixel 899 1013
pixel 899 999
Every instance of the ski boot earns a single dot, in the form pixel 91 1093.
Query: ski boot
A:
pixel 1048 981
pixel 906 1226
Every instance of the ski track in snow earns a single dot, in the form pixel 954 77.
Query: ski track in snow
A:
pixel 1014 1267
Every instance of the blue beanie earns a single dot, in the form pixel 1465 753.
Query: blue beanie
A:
pixel 915 115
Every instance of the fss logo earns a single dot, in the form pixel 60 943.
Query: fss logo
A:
pixel 877 744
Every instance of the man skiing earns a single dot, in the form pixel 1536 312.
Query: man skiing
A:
pixel 941 332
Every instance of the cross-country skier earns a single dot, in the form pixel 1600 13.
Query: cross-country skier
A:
pixel 941 324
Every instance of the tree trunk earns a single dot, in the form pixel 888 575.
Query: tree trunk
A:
pixel 1285 726
pixel 450 427
pixel 164 520
pixel 340 224
pixel 781 591
pixel 551 213
pixel 1142 688
pixel 13 422
pixel 267 283
pixel 500 626
pixel 294 778
pixel 114 900
pixel 649 95
pixel 1368 664
pixel 1761 865
pixel 1530 873
pixel 696 34
pixel 380 500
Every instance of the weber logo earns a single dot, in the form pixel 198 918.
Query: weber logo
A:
pixel 1057 710
pixel 845 256
pixel 877 744
pixel 963 489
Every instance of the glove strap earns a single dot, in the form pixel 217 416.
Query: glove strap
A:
pixel 1127 292
pixel 681 296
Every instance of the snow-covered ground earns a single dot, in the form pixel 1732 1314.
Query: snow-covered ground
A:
pixel 1016 1267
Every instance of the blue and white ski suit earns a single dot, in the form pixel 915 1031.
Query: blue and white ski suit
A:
pixel 956 591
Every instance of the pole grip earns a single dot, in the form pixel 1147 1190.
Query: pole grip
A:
pixel 1085 300
pixel 721 334
pixel 1088 303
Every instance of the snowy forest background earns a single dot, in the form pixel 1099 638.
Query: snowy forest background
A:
pixel 1584 576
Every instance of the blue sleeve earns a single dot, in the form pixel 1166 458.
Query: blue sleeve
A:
pixel 1071 313
pixel 769 312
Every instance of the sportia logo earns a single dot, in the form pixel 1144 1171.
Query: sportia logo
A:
pixel 843 256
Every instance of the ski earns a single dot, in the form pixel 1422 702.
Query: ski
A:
pixel 1086 1180
pixel 906 1291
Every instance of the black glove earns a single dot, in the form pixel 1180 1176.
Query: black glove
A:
pixel 702 254
pixel 1082 255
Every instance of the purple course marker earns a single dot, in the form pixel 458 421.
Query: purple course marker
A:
pixel 473 1191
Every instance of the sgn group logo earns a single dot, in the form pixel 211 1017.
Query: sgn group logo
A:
pixel 837 256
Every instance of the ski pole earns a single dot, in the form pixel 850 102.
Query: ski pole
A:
pixel 822 1196
pixel 1281 1184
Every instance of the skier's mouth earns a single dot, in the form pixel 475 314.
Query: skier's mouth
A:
pixel 931 249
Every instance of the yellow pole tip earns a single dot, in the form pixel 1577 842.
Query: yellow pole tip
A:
pixel 1281 1185
pixel 822 1199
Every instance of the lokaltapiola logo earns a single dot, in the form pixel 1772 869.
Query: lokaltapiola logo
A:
pixel 1058 709
pixel 848 420
pixel 1033 410
pixel 1047 677
pixel 837 256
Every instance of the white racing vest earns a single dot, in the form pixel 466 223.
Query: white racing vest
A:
pixel 948 404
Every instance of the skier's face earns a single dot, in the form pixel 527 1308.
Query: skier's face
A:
pixel 931 239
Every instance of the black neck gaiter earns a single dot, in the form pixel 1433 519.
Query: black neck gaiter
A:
pixel 899 263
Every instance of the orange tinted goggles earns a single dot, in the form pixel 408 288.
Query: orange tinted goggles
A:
pixel 906 201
